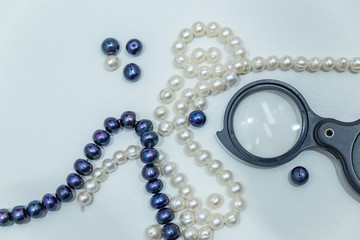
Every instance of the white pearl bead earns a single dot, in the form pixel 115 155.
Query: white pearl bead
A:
pixel 202 216
pixel 188 94
pixel 328 63
pixel 176 82
pixel 109 166
pixel 187 218
pixel 228 66
pixel 198 55
pixel 218 69
pixel 179 46
pixel 205 233
pixel 178 180
pixel 203 157
pixel 213 55
pixel 247 66
pixel 215 200
pixel 224 177
pixel 199 29
pixel 99 174
pixel 133 152
pixel 111 63
pixel 239 52
pixel 84 198
pixel 258 64
pixel 200 103
pixel 232 219
pixel 193 203
pixel 234 42
pixel 216 221
pixel 181 121
pixel 225 34
pixel 167 96
pixel 234 189
pixel 238 66
pixel 314 64
pixel 186 35
pixel 230 78
pixel 272 63
pixel 190 233
pixel 181 60
pixel 355 65
pixel 91 185
pixel 187 191
pixel 204 73
pixel 214 167
pixel 217 85
pixel 161 112
pixel 342 64
pixel 286 63
pixel 177 203
pixel 165 128
pixel 119 157
pixel 162 158
pixel 213 29
pixel 237 204
pixel 190 70
pixel 202 88
pixel 168 169
pixel 192 148
pixel 153 232
pixel 181 106
pixel 184 136
pixel 300 64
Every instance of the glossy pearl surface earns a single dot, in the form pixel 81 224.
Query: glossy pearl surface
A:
pixel 159 201
pixel 74 181
pixel 83 167
pixel 161 112
pixel 186 192
pixel 188 95
pixel 133 152
pixel 101 137
pixel 112 125
pixel 187 218
pixel 355 65
pixel 202 216
pixel 237 204
pixel 205 233
pixel 177 203
pixel 204 72
pixel 286 63
pixel 232 219
pixel 225 34
pixel 20 215
pixel 50 202
pixel 181 60
pixel 64 193
pixel 149 139
pixel 197 118
pixel 36 209
pixel 192 148
pixel 258 64
pixel 154 186
pixel 212 29
pixel 190 70
pixel 149 155
pixel 164 216
pixel 234 189
pixel 230 78
pixel 153 232
pixel 202 88
pixel 128 120
pixel 184 136
pixel 224 177
pixel 119 157
pixel 92 151
pixel 272 63
pixel 176 82
pixel 168 169
pixel 85 198
pixel 178 180
pixel 167 95
pixel 142 126
pixel 199 29
pixel 200 103
pixel 193 203
pixel 342 64
pixel 216 221
pixel 110 46
pixel 165 128
pixel 198 55
pixel 170 231
pixel 314 64
pixel 213 55
pixel 190 233
pixel 186 35
pixel 179 46
pixel 203 157
pixel 300 64
pixel 109 165
pixel 111 63
pixel 99 174
pixel 134 47
pixel 5 218
pixel 328 63
pixel 214 167
pixel 132 72
pixel 150 172
pixel 91 185
pixel 299 176
pixel 180 121
pixel 215 200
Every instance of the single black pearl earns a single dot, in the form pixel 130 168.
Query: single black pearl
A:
pixel 299 176
pixel 142 126
pixel 128 120
pixel 164 216
pixel 134 47
pixel 74 181
pixel 149 139
pixel 170 231
pixel 64 193
pixel 50 202
pixel 149 155
pixel 20 215
pixel 83 167
pixel 36 209
pixel 92 151
pixel 132 72
pixel 159 201
pixel 154 186
pixel 112 125
pixel 197 118
pixel 5 218
pixel 150 172
pixel 110 46
pixel 101 137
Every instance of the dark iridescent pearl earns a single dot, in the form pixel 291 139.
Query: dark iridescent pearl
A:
pixel 132 72
pixel 134 47
pixel 150 172
pixel 50 202
pixel 92 151
pixel 170 231
pixel 110 46
pixel 164 215
pixel 101 137
pixel 299 175
pixel 5 218
pixel 142 126
pixel 64 193
pixel 149 139
pixel 83 167
pixel 159 200
pixel 20 215
pixel 154 186
pixel 128 119
pixel 74 181
pixel 112 125
pixel 36 209
pixel 149 155
pixel 197 118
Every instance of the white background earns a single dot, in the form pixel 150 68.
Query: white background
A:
pixel 54 92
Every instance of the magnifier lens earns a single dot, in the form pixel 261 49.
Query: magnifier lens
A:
pixel 267 123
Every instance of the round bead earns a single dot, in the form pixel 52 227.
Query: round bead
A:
pixel 218 70
pixel 181 121
pixel 83 167
pixel 20 215
pixel 286 63
pixel 247 66
pixel 198 55
pixel 272 63
pixel 85 198
pixel 176 82
pixel 184 136
pixel 133 152
pixel 216 221
pixel 109 165
pixel 168 169
pixel 187 218
pixel 112 125
pixel 314 64
pixel 203 157
pixel 149 155
pixel 5 218
pixel 204 72
pixel 205 233
pixel 217 85
pixel 213 55
pixel 355 65
pixel 202 89
pixel 170 231
pixel 164 216
pixel 237 204
pixel 258 64
pixel 177 203
pixel 35 209
pixel 300 64
pixel 299 176
pixel 92 151
pixel 200 103
pixel 134 47
pixel 230 78
pixel 149 139
pixel 162 158
pixel 91 185
pixel 178 180
pixel 159 201
pixel 238 66
pixel 154 186
pixel 119 157
pixel 165 128
pixel 167 96
pixel 110 46
pixel 74 181
pixel 99 174
pixel 132 72
pixel 190 233
pixel 150 172
pixel 179 46
pixel 199 29
pixel 239 52
pixel 192 148
pixel 234 42
pixel 197 118
pixel 202 216
pixel 234 189
pixel 161 112
pixel 181 60
pixel 225 177
pixel 190 70
pixel 328 63
pixel 342 64
pixel 64 193
pixel 50 202
pixel 101 137
pixel 186 192
pixel 225 34
pixel 128 119
pixel 153 232
pixel 111 63
pixel 214 167
pixel 186 35
pixel 188 95
pixel 215 200
pixel 193 203
pixel 212 29
pixel 232 219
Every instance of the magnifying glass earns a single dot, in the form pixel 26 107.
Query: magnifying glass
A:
pixel 268 123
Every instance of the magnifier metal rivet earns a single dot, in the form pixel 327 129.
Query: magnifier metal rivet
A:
pixel 329 133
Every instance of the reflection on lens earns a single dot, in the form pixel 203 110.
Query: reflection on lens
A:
pixel 267 123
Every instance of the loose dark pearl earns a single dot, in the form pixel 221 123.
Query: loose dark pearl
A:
pixel 142 126
pixel 110 46
pixel 159 200
pixel 170 231
pixel 20 215
pixel 74 181
pixel 149 155
pixel 92 151
pixel 197 118
pixel 83 167
pixel 5 218
pixel 132 72
pixel 150 172
pixel 128 119
pixel 101 137
pixel 154 186
pixel 112 125
pixel 164 215
pixel 299 175
pixel 64 193
pixel 134 47
pixel 149 139
pixel 50 202
pixel 36 209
